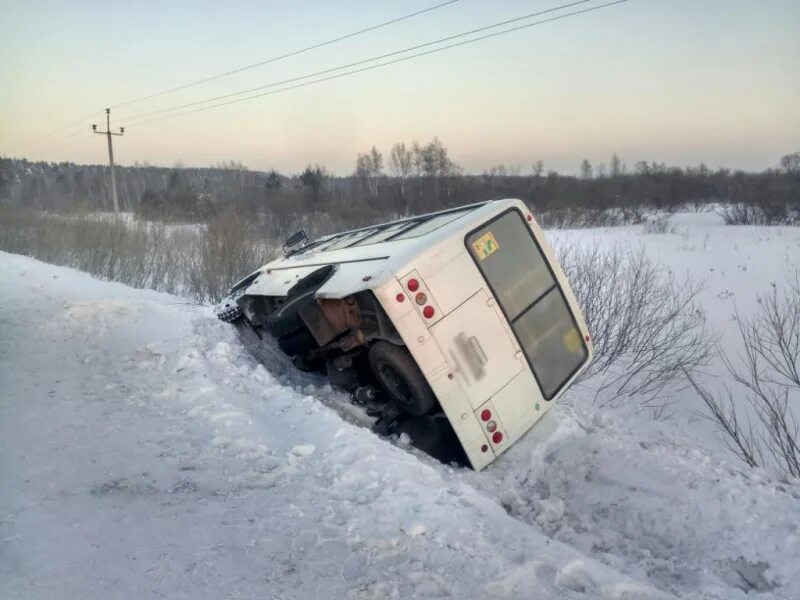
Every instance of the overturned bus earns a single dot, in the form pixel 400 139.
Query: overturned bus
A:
pixel 462 319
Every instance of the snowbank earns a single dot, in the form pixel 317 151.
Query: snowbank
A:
pixel 144 453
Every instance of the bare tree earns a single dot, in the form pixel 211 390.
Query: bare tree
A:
pixel 767 375
pixel 376 169
pixel 368 169
pixel 402 162
pixel 740 437
pixel 494 175
pixel 615 166
pixel 363 168
pixel 790 163
pixel 417 152
pixel 436 163
pixel 429 159
pixel 537 169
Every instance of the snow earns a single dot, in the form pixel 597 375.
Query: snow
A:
pixel 145 453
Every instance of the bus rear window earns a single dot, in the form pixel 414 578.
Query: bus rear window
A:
pixel 551 341
pixel 520 278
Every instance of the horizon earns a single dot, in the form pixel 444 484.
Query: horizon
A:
pixel 628 168
pixel 701 86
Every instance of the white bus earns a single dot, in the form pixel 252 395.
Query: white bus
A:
pixel 462 316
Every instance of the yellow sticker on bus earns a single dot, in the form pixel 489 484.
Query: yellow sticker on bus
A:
pixel 572 341
pixel 485 245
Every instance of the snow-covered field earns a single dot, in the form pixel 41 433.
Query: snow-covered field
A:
pixel 145 454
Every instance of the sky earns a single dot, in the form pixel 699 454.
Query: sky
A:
pixel 674 81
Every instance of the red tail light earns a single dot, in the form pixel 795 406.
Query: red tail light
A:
pixel 413 285
pixel 427 312
pixel 486 414
pixel 400 297
pixel 497 437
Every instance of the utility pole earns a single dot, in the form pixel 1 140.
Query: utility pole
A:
pixel 108 134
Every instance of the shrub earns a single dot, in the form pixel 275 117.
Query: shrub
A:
pixel 659 225
pixel 646 326
pixel 229 248
pixel 761 213
pixel 766 375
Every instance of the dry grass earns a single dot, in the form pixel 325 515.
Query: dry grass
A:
pixel 199 262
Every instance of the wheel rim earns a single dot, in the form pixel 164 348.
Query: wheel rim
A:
pixel 395 384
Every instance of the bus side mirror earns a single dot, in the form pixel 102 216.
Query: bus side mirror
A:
pixel 294 242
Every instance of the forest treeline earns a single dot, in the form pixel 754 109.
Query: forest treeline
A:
pixel 410 179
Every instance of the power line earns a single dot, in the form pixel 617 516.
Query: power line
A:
pixel 357 63
pixel 75 137
pixel 82 121
pixel 391 62
pixel 45 144
pixel 287 55
pixel 61 141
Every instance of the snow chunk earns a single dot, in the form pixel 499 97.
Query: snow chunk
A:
pixel 303 450
pixel 415 530
pixel 576 576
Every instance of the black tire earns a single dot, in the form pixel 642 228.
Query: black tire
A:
pixel 398 374
pixel 297 343
pixel 286 318
pixel 228 309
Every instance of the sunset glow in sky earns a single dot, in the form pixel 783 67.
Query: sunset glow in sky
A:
pixel 679 81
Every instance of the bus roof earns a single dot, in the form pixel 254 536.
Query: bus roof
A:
pixel 368 256
pixel 410 227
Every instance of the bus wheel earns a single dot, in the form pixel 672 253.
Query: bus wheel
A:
pixel 399 375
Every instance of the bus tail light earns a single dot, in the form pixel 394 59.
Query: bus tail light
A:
pixel 420 294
